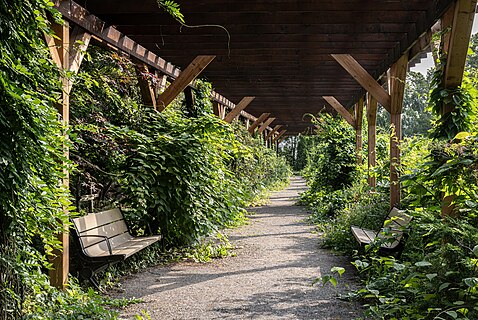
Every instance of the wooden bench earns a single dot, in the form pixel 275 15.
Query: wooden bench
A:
pixel 390 237
pixel 103 239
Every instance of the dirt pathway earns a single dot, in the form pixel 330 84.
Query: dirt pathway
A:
pixel 270 277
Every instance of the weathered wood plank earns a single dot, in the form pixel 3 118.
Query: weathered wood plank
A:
pixel 148 94
pixel 79 41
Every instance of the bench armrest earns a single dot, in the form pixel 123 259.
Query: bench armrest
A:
pixel 105 238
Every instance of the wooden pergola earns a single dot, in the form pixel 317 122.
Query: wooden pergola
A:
pixel 279 59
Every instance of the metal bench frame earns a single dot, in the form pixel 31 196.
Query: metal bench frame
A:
pixel 104 239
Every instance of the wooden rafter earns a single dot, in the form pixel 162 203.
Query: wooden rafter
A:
pixel 363 78
pixel 183 80
pixel 340 109
pixel 279 135
pixel 273 131
pixel 258 121
pixel 237 110
pixel 265 125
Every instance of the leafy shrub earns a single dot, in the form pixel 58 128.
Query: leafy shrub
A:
pixel 182 172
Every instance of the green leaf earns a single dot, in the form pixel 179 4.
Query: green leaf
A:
pixel 423 264
pixel 339 270
pixel 475 251
pixel 452 314
pixel 462 135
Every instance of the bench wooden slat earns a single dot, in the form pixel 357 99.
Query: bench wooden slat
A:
pixel 389 235
pixel 126 248
pixel 134 245
pixel 97 233
pixel 110 231
pixel 92 221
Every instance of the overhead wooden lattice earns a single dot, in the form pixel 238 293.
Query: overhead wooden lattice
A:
pixel 279 51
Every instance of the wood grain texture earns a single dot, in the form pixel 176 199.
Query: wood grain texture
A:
pixel 239 107
pixel 183 80
pixel 341 110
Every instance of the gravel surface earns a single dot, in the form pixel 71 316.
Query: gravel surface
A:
pixel 277 259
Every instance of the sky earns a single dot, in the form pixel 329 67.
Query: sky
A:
pixel 427 63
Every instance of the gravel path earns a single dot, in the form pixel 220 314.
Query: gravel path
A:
pixel 277 259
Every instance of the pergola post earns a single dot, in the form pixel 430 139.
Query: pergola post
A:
pixel 358 129
pixel 67 51
pixel 148 94
pixel 455 45
pixel 398 73
pixel 60 50
pixel 372 106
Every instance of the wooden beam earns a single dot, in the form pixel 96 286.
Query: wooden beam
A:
pixel 279 135
pixel 222 110
pixel 258 121
pixel 458 42
pixel 237 110
pixel 420 45
pixel 273 131
pixel 340 109
pixel 79 41
pixel 398 73
pixel 189 100
pixel 372 106
pixel 183 80
pixel 358 129
pixel 148 94
pixel 60 258
pixel 281 139
pixel 265 125
pixel 363 78
pixel 216 108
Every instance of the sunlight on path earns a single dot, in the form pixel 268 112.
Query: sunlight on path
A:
pixel 270 277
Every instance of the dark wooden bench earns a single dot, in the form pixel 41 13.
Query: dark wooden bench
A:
pixel 390 237
pixel 103 239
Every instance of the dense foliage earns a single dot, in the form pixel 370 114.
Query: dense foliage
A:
pixel 330 165
pixel 183 173
pixel 416 116
pixel 436 276
pixel 31 155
